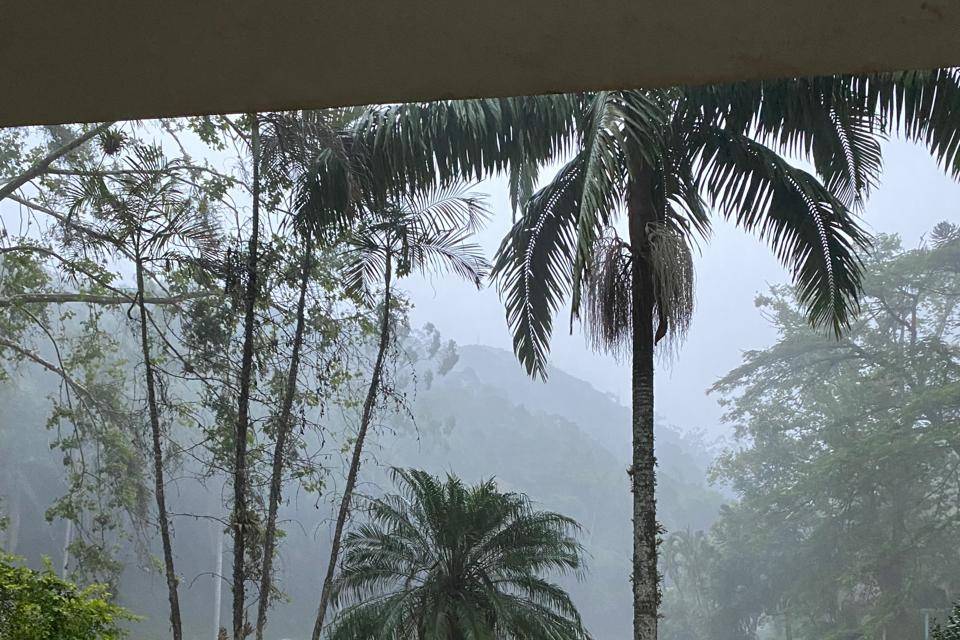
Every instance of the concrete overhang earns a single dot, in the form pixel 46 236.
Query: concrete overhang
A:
pixel 99 60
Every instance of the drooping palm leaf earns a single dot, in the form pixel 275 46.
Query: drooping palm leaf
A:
pixel 809 229
pixel 533 264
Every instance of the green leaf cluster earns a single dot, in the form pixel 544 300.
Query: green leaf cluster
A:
pixel 38 605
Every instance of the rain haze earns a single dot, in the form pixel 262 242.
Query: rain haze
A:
pixel 285 376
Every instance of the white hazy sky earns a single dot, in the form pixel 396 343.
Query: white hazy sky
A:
pixel 733 268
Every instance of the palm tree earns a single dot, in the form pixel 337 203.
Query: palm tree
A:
pixel 444 561
pixel 425 234
pixel 662 162
pixel 667 160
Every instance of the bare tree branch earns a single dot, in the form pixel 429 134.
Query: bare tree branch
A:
pixel 46 364
pixel 92 298
pixel 42 165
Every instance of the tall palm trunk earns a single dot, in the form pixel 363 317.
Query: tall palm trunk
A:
pixel 646 593
pixel 158 482
pixel 240 515
pixel 284 425
pixel 365 418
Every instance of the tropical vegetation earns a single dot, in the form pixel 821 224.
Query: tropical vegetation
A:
pixel 38 605
pixel 202 332
pixel 441 560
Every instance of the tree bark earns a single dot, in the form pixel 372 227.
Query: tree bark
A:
pixel 240 515
pixel 41 166
pixel 284 424
pixel 892 574
pixel 67 539
pixel 646 583
pixel 158 481
pixel 218 583
pixel 365 418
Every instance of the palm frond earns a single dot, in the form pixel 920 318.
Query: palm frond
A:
pixel 442 559
pixel 533 265
pixel 809 229
pixel 449 251
pixel 839 121
pixel 600 179
pixel 453 206
pixel 397 151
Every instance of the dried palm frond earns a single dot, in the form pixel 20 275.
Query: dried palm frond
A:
pixel 609 298
pixel 671 266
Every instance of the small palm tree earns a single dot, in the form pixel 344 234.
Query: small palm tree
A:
pixel 446 561
pixel 421 234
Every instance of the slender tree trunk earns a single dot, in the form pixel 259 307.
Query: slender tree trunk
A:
pixel 646 587
pixel 892 576
pixel 41 166
pixel 218 583
pixel 365 418
pixel 67 539
pixel 158 481
pixel 240 515
pixel 13 526
pixel 284 424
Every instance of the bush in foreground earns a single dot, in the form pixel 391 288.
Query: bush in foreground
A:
pixel 38 605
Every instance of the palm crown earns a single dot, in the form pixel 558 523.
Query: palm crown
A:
pixel 710 148
pixel 691 152
pixel 442 561
pixel 421 233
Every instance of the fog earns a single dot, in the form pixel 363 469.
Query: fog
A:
pixel 813 493
pixel 732 268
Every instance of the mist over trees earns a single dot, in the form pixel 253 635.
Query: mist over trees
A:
pixel 218 419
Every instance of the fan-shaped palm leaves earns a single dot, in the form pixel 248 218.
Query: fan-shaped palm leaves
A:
pixel 446 561
pixel 429 233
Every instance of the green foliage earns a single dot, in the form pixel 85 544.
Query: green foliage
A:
pixel 37 605
pixel 441 560
pixel 951 630
pixel 848 456
pixel 718 145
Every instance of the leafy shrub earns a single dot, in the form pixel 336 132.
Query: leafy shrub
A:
pixel 952 629
pixel 38 605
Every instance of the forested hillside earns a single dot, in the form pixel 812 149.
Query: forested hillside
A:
pixel 473 412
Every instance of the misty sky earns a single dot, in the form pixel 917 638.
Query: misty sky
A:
pixel 732 269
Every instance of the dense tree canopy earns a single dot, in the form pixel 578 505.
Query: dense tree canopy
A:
pixel 848 455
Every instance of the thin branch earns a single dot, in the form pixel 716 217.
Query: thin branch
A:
pixel 43 165
pixel 91 298
pixel 46 364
